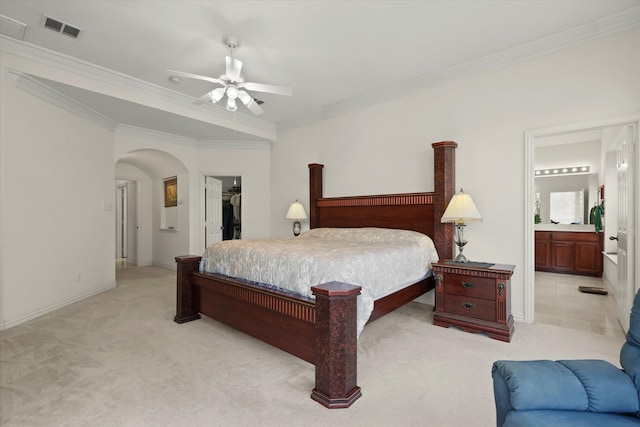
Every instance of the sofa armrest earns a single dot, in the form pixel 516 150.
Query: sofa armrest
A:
pixel 630 361
pixel 575 385
pixel 501 394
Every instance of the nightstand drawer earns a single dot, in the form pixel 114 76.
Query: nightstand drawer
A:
pixel 478 287
pixel 477 308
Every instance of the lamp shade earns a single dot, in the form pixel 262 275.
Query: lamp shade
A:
pixel 296 211
pixel 461 209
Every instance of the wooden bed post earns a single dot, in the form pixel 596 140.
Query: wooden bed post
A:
pixel 315 192
pixel 187 303
pixel 444 173
pixel 336 342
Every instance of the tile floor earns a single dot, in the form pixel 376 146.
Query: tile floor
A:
pixel 558 302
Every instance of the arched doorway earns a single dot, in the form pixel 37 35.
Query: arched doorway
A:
pixel 157 228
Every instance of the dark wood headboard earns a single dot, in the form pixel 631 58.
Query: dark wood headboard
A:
pixel 408 211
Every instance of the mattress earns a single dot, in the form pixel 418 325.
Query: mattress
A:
pixel 379 260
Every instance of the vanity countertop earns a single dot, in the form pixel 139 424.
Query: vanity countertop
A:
pixel 580 228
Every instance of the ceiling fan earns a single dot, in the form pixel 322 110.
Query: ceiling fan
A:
pixel 233 84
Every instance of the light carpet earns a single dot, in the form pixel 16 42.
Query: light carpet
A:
pixel 118 359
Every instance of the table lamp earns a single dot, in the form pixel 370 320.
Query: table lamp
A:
pixel 296 212
pixel 461 210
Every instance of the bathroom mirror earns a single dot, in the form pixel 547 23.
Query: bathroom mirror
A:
pixel 566 207
pixel 581 189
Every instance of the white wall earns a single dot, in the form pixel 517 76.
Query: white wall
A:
pixel 57 205
pixel 386 147
pixel 577 154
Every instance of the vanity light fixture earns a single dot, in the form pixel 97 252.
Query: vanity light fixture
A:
pixel 574 170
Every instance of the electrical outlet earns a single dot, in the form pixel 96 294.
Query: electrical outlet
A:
pixel 77 276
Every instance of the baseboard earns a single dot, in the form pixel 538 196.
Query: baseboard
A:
pixel 171 267
pixel 10 323
pixel 518 317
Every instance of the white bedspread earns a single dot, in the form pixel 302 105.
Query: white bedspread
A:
pixel 379 260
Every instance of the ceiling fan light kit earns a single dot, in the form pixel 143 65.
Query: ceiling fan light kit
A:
pixel 233 83
pixel 216 94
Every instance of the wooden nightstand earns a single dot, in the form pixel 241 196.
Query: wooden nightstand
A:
pixel 474 297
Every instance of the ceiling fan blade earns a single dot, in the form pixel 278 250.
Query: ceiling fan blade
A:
pixel 261 87
pixel 203 99
pixel 197 77
pixel 250 102
pixel 234 67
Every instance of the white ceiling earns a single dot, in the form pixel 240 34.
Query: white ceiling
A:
pixel 336 55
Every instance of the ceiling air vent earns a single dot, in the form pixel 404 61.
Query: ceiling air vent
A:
pixel 60 27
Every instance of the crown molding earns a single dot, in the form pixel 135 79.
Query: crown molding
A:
pixel 619 22
pixel 192 142
pixel 48 94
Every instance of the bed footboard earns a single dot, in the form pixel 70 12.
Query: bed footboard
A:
pixel 321 331
pixel 336 343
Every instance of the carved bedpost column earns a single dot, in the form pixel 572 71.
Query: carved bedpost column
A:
pixel 315 192
pixel 187 302
pixel 444 156
pixel 336 345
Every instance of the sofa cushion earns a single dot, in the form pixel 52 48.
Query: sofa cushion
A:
pixel 567 418
pixel 542 384
pixel 578 385
pixel 608 388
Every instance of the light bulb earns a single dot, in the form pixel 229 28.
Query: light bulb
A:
pixel 216 94
pixel 231 104
pixel 232 92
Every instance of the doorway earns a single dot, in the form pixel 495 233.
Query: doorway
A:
pixel 126 227
pixel 222 208
pixel 121 221
pixel 531 140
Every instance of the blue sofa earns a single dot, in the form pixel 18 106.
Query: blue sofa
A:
pixel 571 392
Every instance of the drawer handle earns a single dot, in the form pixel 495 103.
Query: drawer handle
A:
pixel 468 305
pixel 468 285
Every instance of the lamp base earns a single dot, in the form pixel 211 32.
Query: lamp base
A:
pixel 297 227
pixel 460 243
pixel 461 259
